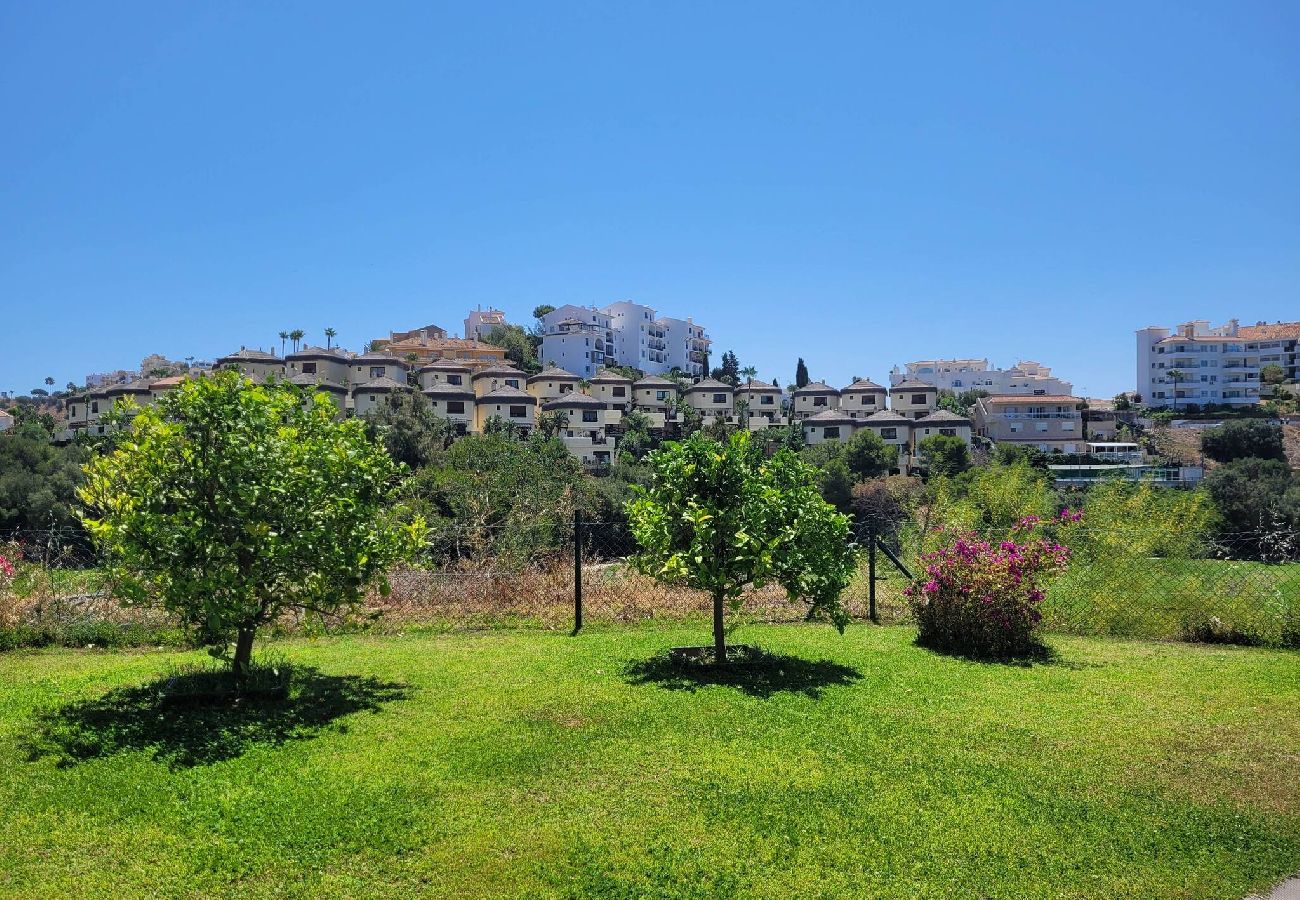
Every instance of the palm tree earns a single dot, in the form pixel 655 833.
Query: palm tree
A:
pixel 284 336
pixel 329 336
pixel 1176 375
pixel 296 336
pixel 748 373
pixel 49 379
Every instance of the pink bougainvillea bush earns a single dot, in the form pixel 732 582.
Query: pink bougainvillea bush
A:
pixel 980 598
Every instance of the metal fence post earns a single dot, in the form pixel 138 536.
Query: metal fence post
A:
pixel 577 571
pixel 871 574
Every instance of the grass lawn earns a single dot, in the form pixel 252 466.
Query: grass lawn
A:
pixel 534 764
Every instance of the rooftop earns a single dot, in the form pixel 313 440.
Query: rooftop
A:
pixel 553 373
pixel 815 387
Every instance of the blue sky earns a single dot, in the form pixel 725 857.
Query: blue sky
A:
pixel 852 183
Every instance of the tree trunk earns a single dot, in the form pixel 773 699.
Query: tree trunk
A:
pixel 243 654
pixel 719 634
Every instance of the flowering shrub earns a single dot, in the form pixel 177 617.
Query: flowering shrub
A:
pixel 980 597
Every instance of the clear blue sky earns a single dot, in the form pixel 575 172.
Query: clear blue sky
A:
pixel 856 186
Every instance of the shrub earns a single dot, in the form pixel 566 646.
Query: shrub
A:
pixel 981 599
pixel 1242 440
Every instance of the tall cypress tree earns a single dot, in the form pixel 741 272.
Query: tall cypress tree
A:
pixel 801 374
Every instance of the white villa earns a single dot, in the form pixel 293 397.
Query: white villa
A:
pixel 958 375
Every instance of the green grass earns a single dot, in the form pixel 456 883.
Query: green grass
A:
pixel 539 765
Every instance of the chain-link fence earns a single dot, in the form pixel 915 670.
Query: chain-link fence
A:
pixel 561 573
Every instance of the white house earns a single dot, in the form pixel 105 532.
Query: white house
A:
pixel 958 375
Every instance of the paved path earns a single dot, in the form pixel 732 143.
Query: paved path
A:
pixel 1287 890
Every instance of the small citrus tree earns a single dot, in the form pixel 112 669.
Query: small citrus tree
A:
pixel 230 502
pixel 719 517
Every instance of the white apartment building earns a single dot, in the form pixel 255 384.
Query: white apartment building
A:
pixel 481 322
pixel 958 375
pixel 585 339
pixel 1200 364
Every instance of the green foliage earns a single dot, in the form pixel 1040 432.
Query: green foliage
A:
pixel 729 371
pixel 1122 518
pixel 962 403
pixel 542 309
pixel 836 482
pixel 492 495
pixel 637 440
pixel 520 346
pixel 992 498
pixel 229 503
pixel 1007 454
pixel 944 455
pixel 867 456
pixel 801 378
pixel 722 517
pixel 409 429
pixel 1243 439
pixel 1253 494
pixel 38 480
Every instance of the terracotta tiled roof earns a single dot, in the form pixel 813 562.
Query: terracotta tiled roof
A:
pixel 381 384
pixel 608 376
pixel 655 381
pixel 709 384
pixel 759 387
pixel 830 417
pixel 1276 331
pixel 499 372
pixel 553 373
pixel 448 390
pixel 887 417
pixel 911 384
pixel 573 400
pixel 445 365
pixel 942 417
pixel 863 386
pixel 246 355
pixel 331 353
pixel 379 359
pixel 815 387
pixel 507 394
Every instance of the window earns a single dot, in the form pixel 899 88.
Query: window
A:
pixel 1015 427
pixel 947 432
pixel 819 401
pixel 765 400
pixel 868 399
pixel 661 395
pixel 918 398
pixel 512 382
pixel 456 406
pixel 1067 425
pixel 589 415
pixel 378 371
pixel 455 379
pixel 831 431
pixel 372 398
pixel 518 412
pixel 619 391
pixel 889 434
pixel 566 388
pixel 94 407
pixel 1040 426
pixel 719 398
pixel 309 368
pixel 74 412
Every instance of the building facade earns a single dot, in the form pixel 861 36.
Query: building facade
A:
pixel 586 339
pixel 1200 364
pixel 960 375
pixel 1047 423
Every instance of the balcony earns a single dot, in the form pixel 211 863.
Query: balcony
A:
pixel 1045 415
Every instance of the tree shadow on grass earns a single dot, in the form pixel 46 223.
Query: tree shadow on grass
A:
pixel 756 673
pixel 185 725
pixel 1038 654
